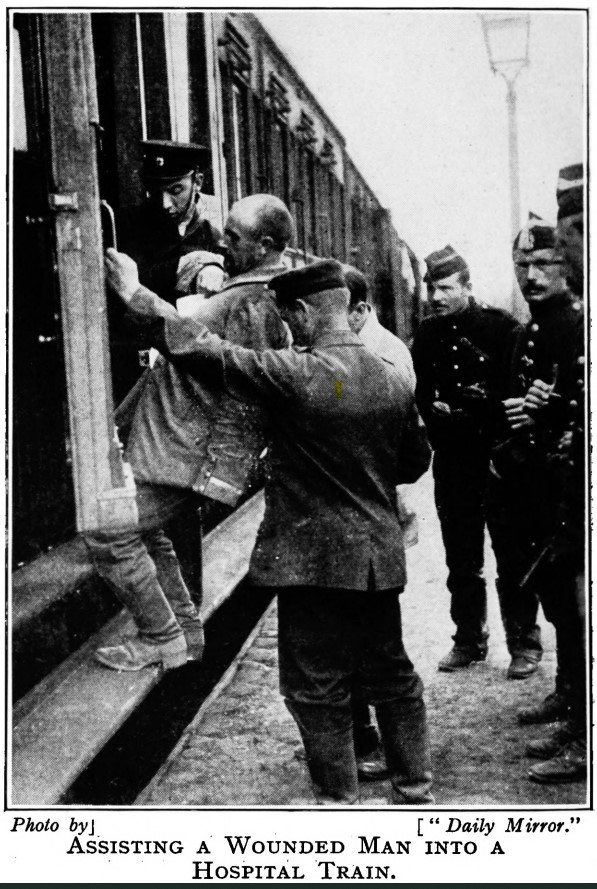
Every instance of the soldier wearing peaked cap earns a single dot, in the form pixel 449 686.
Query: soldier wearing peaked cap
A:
pixel 527 489
pixel 166 236
pixel 565 750
pixel 346 432
pixel 460 354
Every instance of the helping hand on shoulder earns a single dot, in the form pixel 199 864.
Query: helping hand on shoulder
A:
pixel 200 272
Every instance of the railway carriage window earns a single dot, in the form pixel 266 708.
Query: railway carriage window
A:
pixel 153 76
pixel 19 119
pixel 236 86
pixel 261 150
pixel 357 219
pixel 277 96
pixel 307 179
pixel 280 162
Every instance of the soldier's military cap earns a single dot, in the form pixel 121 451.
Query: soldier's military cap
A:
pixel 537 234
pixel 327 274
pixel 569 192
pixel 443 263
pixel 165 161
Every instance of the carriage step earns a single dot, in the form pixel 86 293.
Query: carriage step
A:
pixel 66 719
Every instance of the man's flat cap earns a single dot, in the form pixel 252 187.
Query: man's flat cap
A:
pixel 327 274
pixel 167 161
pixel 443 263
pixel 569 192
pixel 537 234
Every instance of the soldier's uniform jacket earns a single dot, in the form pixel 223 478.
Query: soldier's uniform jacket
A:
pixel 346 431
pixel 548 349
pixel 461 360
pixel 552 347
pixel 154 242
pixel 191 433
pixel 570 534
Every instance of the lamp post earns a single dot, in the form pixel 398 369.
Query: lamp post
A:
pixel 507 42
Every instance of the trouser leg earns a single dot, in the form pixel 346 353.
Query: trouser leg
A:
pixel 176 591
pixel 510 527
pixel 392 684
pixel 316 672
pixel 169 574
pixel 560 605
pixel 125 560
pixel 459 484
pixel 329 754
pixel 405 737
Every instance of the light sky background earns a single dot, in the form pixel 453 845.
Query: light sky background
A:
pixel 425 120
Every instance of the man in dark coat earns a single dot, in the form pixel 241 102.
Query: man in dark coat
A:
pixel 190 437
pixel 460 355
pixel 167 237
pixel 346 433
pixel 528 488
pixel 565 749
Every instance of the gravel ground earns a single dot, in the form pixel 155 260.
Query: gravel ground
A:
pixel 239 750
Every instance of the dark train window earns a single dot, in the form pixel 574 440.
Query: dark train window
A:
pixel 279 162
pixel 279 155
pixel 236 86
pixel 153 75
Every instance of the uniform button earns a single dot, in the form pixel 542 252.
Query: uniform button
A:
pixel 581 360
pixel 530 344
pixel 481 358
pixel 580 382
pixel 576 306
pixel 459 385
pixel 534 328
pixel 573 403
pixel 455 348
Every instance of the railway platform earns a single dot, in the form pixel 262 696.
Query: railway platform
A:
pixel 239 750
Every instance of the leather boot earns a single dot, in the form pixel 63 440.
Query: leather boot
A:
pixel 569 765
pixel 403 726
pixel 549 746
pixel 551 708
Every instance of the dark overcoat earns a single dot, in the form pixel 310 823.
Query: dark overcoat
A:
pixel 346 431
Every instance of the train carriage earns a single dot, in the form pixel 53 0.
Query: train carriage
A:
pixel 85 89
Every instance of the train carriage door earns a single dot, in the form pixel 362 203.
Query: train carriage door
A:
pixel 67 312
pixel 42 488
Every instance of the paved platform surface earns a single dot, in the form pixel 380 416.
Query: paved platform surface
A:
pixel 239 749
